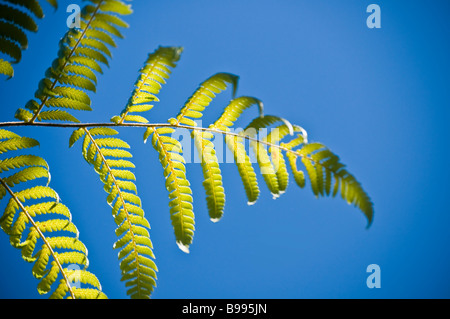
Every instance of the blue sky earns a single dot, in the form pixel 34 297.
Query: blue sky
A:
pixel 378 98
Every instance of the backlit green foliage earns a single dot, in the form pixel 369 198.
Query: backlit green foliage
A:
pixel 36 214
pixel 40 225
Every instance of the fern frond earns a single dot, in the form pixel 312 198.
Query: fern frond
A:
pixel 181 202
pixel 81 52
pixel 106 152
pixel 35 213
pixel 153 75
pixel 15 20
pixel 322 166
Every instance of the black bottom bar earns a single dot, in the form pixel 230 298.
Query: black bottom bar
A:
pixel 227 308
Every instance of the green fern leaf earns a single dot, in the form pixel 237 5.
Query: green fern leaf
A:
pixel 11 48
pixel 105 152
pixel 73 94
pixel 104 26
pixel 81 70
pixel 25 226
pixel 16 143
pixel 23 115
pixel 17 17
pixel 152 76
pixel 57 115
pixel 81 51
pixel 181 207
pixel 27 174
pixel 32 5
pixel 114 6
pixel 299 176
pixel 215 193
pixel 63 102
pixel 322 167
pixel 74 80
pixel 6 68
pixel 88 293
pixel 325 162
pixel 21 161
pixel 234 110
pixel 100 36
pixel 14 33
pixel 245 168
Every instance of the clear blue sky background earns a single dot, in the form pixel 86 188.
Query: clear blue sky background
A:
pixel 379 98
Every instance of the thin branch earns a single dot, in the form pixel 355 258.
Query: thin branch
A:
pixel 146 125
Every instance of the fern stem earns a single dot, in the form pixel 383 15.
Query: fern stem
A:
pixel 40 235
pixel 147 125
pixel 41 106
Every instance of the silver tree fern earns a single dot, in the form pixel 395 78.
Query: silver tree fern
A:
pixel 33 211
